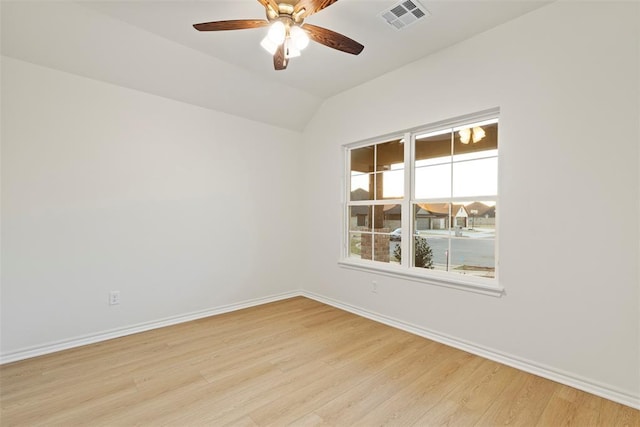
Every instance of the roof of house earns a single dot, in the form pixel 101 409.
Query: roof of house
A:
pixel 426 209
pixel 439 209
pixel 482 209
pixel 359 194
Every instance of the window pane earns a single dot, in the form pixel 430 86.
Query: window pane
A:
pixel 473 256
pixel 431 219
pixel 391 218
pixel 381 248
pixel 395 240
pixel 433 182
pixel 482 218
pixel 475 178
pixel 475 137
pixel 431 238
pixel 362 159
pixel 423 254
pixel 390 155
pixel 439 246
pixel 394 250
pixel 360 186
pixel 355 245
pixel 360 218
pixel 433 149
pixel 475 155
pixel 386 226
pixel 390 184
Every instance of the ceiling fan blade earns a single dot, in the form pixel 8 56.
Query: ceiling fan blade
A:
pixel 332 39
pixel 311 6
pixel 237 24
pixel 279 60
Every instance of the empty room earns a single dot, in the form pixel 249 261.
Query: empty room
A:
pixel 309 212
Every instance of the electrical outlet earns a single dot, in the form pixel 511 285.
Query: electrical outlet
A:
pixel 114 297
pixel 374 287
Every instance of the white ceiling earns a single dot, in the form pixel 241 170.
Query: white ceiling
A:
pixel 150 45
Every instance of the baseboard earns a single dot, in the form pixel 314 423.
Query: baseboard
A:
pixel 53 347
pixel 553 374
pixel 509 360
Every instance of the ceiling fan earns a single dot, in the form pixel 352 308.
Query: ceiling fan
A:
pixel 288 34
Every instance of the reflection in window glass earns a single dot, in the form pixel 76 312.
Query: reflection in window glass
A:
pixel 389 154
pixel 475 155
pixel 475 137
pixel 377 171
pixel 362 160
pixel 435 148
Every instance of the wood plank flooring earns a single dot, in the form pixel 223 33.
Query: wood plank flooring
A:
pixel 293 362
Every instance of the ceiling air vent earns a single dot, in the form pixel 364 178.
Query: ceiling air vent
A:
pixel 403 14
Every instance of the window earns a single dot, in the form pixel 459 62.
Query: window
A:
pixel 431 193
pixel 376 193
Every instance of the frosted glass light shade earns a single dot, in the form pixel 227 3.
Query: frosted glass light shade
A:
pixel 277 32
pixel 299 37
pixel 290 51
pixel 269 45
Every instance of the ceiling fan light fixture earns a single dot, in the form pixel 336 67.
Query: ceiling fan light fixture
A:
pixel 277 32
pixel 286 37
pixel 299 37
pixel 291 51
pixel 269 45
pixel 297 16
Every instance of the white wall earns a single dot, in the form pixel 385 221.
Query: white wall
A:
pixel 566 78
pixel 104 188
pixel 85 42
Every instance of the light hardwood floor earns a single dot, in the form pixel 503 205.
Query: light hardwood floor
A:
pixel 295 362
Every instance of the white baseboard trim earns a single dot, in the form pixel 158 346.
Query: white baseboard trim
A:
pixel 553 374
pixel 547 372
pixel 66 344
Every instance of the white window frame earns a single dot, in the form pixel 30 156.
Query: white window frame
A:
pixel 404 270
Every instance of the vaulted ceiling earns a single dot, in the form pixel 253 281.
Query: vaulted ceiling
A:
pixel 150 45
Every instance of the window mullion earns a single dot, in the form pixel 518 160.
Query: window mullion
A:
pixel 346 188
pixel 451 218
pixel 407 227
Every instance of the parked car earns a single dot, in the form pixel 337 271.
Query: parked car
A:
pixel 396 235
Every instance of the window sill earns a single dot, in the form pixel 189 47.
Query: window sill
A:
pixel 476 285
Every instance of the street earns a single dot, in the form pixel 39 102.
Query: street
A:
pixel 464 251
